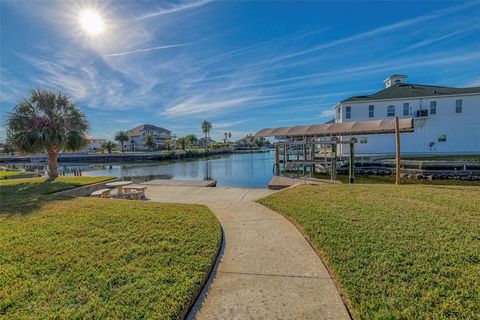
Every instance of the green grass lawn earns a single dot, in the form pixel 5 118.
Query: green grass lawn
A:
pixel 5 174
pixel 398 252
pixel 76 258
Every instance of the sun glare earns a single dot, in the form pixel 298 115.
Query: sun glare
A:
pixel 91 22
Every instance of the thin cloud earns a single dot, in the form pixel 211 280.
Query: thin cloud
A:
pixel 175 8
pixel 380 30
pixel 146 50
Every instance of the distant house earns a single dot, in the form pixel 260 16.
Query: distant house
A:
pixel 136 137
pixel 446 119
pixel 94 144
pixel 209 141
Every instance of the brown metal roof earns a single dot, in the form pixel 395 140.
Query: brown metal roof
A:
pixel 340 129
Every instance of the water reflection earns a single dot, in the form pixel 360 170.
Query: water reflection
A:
pixel 237 170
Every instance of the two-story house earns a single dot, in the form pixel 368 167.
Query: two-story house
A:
pixel 136 137
pixel 446 119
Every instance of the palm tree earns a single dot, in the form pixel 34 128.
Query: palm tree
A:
pixel 47 122
pixel 191 139
pixel 225 137
pixel 229 135
pixel 206 128
pixel 150 142
pixel 108 145
pixel 182 142
pixel 168 144
pixel 122 137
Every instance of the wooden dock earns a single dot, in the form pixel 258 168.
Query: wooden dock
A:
pixel 182 183
pixel 278 182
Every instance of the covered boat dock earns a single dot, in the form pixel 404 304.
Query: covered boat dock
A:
pixel 304 148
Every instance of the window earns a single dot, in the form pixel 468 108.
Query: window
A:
pixel 348 112
pixel 433 107
pixel 442 138
pixel 458 106
pixel 371 111
pixel 391 111
pixel 363 140
pixel 406 109
pixel 338 113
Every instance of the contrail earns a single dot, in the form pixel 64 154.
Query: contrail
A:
pixel 145 50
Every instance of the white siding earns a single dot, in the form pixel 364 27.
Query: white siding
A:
pixel 462 130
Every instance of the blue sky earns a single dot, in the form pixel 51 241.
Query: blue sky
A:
pixel 242 65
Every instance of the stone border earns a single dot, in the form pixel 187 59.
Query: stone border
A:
pixel 199 295
pixel 23 175
pixel 85 190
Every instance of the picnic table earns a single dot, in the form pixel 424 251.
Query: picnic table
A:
pixel 120 185
pixel 135 188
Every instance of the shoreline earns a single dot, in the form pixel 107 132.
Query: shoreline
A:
pixel 123 157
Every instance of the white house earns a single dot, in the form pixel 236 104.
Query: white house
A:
pixel 136 137
pixel 94 144
pixel 446 119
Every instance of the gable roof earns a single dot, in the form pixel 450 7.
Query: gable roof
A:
pixel 407 90
pixel 138 130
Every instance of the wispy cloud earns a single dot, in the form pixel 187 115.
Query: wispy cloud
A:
pixel 145 50
pixel 172 8
pixel 327 113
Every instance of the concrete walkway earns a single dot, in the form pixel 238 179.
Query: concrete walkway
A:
pixel 267 269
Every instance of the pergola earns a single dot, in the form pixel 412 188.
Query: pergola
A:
pixel 308 138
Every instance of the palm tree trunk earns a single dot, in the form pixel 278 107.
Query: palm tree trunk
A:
pixel 123 150
pixel 52 163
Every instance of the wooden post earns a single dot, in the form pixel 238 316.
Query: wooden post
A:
pixel 277 159
pixel 312 158
pixel 397 152
pixel 333 161
pixel 285 158
pixel 351 164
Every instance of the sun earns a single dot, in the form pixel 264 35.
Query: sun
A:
pixel 91 22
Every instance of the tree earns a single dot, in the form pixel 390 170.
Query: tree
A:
pixel 168 144
pixel 47 122
pixel 191 140
pixel 182 142
pixel 206 128
pixel 108 145
pixel 122 137
pixel 229 135
pixel 150 142
pixel 225 139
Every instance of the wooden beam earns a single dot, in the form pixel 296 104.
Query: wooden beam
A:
pixel 333 161
pixel 397 152
pixel 277 159
pixel 351 164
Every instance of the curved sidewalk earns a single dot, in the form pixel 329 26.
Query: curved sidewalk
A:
pixel 267 270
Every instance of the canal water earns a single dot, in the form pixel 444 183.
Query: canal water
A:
pixel 248 170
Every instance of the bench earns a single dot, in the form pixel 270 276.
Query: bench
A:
pixel 102 193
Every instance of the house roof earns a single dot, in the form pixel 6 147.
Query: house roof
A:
pixel 138 130
pixel 407 90
pixel 340 129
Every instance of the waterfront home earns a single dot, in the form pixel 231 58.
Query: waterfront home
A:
pixel 136 137
pixel 446 119
pixel 202 142
pixel 94 144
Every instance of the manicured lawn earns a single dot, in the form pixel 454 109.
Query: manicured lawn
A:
pixel 99 258
pixel 5 174
pixel 406 252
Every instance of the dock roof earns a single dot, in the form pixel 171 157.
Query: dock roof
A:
pixel 340 129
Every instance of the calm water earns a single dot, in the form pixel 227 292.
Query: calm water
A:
pixel 253 170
